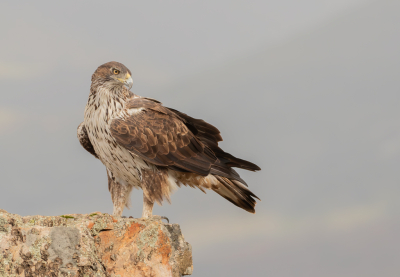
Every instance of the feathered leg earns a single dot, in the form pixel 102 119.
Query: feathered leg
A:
pixel 155 188
pixel 119 195
pixel 147 207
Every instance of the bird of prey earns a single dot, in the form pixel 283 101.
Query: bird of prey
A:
pixel 146 145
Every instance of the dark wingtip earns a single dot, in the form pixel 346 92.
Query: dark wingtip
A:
pixel 239 163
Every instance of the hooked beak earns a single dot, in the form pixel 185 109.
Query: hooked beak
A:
pixel 128 82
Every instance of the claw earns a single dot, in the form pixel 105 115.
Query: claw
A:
pixel 156 217
pixel 166 218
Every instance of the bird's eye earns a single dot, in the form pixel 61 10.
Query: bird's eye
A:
pixel 116 71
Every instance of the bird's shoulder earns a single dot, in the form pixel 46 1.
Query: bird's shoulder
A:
pixel 137 103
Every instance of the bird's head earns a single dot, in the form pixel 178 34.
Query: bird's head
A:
pixel 113 74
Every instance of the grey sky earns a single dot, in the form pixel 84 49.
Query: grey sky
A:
pixel 308 90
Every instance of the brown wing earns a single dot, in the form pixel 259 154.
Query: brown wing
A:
pixel 160 136
pixel 84 139
pixel 210 136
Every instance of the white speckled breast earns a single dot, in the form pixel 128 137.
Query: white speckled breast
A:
pixel 100 110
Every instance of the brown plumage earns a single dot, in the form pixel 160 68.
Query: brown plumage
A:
pixel 144 144
pixel 159 136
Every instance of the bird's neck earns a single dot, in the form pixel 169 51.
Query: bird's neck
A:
pixel 106 101
pixel 103 93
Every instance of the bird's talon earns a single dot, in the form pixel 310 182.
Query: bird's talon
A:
pixel 166 218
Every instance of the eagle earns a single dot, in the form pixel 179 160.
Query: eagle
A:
pixel 146 145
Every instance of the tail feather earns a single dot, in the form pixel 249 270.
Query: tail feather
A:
pixel 225 171
pixel 236 193
pixel 222 178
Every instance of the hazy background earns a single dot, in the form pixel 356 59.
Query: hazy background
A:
pixel 308 90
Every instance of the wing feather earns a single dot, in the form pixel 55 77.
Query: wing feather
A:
pixel 84 140
pixel 160 136
pixel 210 136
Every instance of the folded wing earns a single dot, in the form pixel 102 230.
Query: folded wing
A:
pixel 160 136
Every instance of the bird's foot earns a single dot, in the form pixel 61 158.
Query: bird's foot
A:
pixel 157 217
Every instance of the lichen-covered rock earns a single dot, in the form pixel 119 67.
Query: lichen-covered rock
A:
pixel 91 245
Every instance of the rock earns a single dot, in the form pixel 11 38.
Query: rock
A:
pixel 91 245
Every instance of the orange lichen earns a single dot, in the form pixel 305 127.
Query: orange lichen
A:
pixel 99 246
pixel 164 247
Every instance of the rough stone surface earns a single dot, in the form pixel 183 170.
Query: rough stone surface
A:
pixel 91 245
